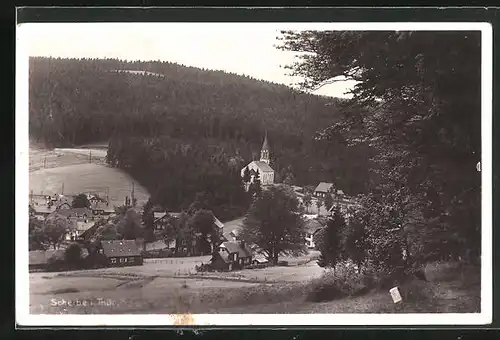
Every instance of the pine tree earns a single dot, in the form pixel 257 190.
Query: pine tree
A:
pixel 329 240
pixel 257 187
pixel 246 175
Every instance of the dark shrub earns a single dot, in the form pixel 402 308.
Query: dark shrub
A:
pixel 96 260
pixel 343 281
pixel 417 291
pixel 73 256
pixel 204 267
pixel 55 264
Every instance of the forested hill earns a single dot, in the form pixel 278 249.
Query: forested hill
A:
pixel 155 114
pixel 88 100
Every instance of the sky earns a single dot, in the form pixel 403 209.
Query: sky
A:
pixel 242 48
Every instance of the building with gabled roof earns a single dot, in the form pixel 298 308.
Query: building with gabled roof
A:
pixel 325 188
pixel 261 167
pixel 232 255
pixel 121 253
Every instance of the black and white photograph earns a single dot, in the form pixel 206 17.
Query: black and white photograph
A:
pixel 253 173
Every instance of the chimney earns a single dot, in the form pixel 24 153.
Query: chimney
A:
pixel 242 242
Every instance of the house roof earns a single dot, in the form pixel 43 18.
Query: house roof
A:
pixel 312 226
pixel 218 223
pixel 229 237
pixel 75 211
pixel 263 166
pixel 43 209
pixel 120 248
pixel 323 187
pixel 83 226
pixel 224 256
pixel 156 245
pixel 261 258
pixel 159 215
pixel 235 247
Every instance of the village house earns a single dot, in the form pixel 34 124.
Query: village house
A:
pixel 261 167
pixel 159 248
pixel 260 259
pixel 231 236
pixel 232 255
pixel 323 189
pixel 161 219
pixel 120 253
pixel 42 206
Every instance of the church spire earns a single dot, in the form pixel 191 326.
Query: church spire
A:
pixel 264 152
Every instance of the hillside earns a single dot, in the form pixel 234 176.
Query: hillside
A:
pixel 172 127
pixel 185 100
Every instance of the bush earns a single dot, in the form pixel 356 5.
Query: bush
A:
pixel 417 291
pixel 55 265
pixel 204 267
pixel 73 255
pixel 339 282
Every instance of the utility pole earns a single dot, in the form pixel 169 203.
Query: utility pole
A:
pixel 45 161
pixel 90 156
pixel 62 189
pixel 133 194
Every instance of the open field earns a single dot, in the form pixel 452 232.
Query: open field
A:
pixel 49 169
pixel 153 290
pixel 157 284
pixel 46 159
pixel 83 177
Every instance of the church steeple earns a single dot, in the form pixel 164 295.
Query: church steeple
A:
pixel 264 152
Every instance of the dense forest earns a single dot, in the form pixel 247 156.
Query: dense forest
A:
pixel 174 127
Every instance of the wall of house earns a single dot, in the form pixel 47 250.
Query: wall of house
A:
pixel 265 177
pixel 310 241
pixel 125 261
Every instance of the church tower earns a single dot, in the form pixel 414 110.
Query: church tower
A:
pixel 264 152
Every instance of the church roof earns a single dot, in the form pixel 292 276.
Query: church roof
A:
pixel 263 166
pixel 265 145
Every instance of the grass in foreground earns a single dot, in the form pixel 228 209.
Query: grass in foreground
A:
pixel 451 289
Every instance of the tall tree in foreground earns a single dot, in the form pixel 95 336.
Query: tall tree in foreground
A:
pixel 417 100
pixel 329 240
pixel 355 237
pixel 274 223
pixel 203 222
pixel 129 225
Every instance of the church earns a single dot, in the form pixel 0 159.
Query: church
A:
pixel 262 167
